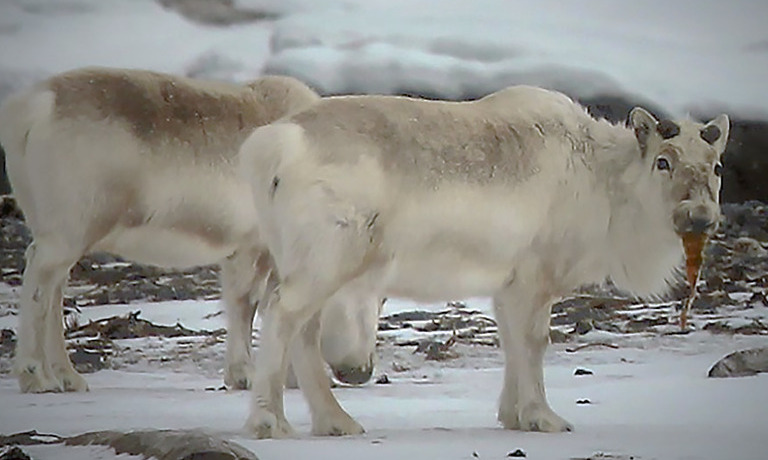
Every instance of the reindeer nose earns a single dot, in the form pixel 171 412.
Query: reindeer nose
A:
pixel 695 219
pixel 700 224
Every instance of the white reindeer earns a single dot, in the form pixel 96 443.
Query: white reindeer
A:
pixel 141 165
pixel 521 196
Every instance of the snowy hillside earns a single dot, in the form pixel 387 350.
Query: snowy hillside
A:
pixel 682 56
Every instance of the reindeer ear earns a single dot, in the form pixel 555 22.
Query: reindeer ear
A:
pixel 715 132
pixel 644 124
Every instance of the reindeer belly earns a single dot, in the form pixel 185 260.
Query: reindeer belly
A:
pixel 459 242
pixel 183 217
pixel 445 276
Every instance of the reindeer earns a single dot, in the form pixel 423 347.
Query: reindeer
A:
pixel 520 196
pixel 142 165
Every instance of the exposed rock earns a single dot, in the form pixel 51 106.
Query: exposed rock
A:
pixel 5 186
pixel 166 444
pixel 557 336
pixel 583 326
pixel 156 444
pixel 644 324
pixel 582 371
pixel 9 208
pixel 437 351
pixel 13 453
pixel 130 326
pixel 748 247
pixel 741 363
pixel 518 453
pixel 745 162
pixel 29 438
pixel 7 342
pixel 88 359
pixel 756 327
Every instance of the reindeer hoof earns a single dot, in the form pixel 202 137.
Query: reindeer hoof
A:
pixel 33 378
pixel 237 376
pixel 535 417
pixel 341 425
pixel 265 425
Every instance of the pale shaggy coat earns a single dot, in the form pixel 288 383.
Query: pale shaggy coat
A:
pixel 138 164
pixel 521 196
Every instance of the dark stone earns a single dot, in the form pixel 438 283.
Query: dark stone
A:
pixel 436 351
pixel 7 342
pixel 589 309
pixel 708 302
pixel 166 444
pixel 29 438
pixel 715 251
pixel 9 208
pixel 517 453
pixel 14 453
pixel 87 360
pixel 556 336
pixel 582 371
pixel 131 326
pixel 583 401
pixel 644 324
pixel 383 380
pixel 758 298
pixel 718 327
pixel 741 363
pixel 583 326
pixel 415 315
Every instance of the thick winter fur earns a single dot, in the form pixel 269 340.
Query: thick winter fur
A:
pixel 141 165
pixel 521 196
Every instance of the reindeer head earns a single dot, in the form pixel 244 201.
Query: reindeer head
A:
pixel 683 157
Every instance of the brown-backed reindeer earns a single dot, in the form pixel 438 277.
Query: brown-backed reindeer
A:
pixel 142 165
pixel 521 196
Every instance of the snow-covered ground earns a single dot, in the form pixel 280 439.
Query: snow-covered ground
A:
pixel 682 56
pixel 649 399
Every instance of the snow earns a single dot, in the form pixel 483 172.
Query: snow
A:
pixel 683 56
pixel 42 37
pixel 650 398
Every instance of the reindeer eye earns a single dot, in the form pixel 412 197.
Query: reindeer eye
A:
pixel 662 164
pixel 719 169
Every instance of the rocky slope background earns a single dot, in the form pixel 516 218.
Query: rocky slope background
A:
pixel 732 301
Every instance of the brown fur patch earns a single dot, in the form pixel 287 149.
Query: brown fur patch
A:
pixel 436 139
pixel 158 109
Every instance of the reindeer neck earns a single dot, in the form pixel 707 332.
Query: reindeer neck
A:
pixel 642 248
